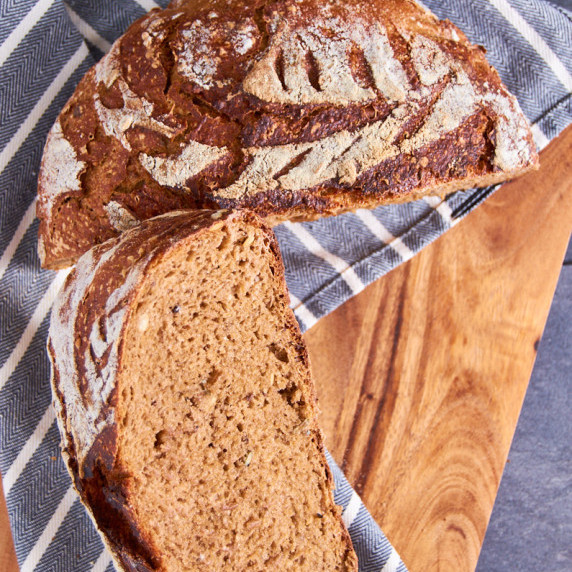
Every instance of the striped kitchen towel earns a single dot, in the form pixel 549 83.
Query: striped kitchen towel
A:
pixel 45 48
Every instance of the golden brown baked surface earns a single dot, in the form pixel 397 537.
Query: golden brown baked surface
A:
pixel 184 397
pixel 295 109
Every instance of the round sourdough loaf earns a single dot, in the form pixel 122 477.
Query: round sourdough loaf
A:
pixel 293 108
pixel 185 402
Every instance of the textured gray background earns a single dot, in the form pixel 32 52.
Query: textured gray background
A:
pixel 531 524
pixel 564 3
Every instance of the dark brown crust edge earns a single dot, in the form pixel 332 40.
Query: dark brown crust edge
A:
pixel 100 487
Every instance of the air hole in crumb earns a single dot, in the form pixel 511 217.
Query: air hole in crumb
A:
pixel 224 242
pixel 279 353
pixel 291 394
pixel 248 241
pixel 160 439
pixel 211 378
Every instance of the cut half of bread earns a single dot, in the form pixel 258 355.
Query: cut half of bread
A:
pixel 185 402
pixel 295 109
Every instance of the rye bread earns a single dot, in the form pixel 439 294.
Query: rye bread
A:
pixel 295 109
pixel 185 402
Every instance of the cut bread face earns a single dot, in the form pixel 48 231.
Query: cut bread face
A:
pixel 295 109
pixel 185 401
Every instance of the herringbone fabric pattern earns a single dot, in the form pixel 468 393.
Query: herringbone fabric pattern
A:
pixel 45 48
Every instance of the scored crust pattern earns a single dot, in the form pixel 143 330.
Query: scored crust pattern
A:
pixel 293 109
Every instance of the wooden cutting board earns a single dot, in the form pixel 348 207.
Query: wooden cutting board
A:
pixel 422 376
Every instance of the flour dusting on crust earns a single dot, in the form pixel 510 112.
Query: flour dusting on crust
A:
pixel 203 45
pixel 346 155
pixel 175 171
pixel 511 144
pixel 81 416
pixel 136 110
pixel 328 42
pixel 60 170
pixel 87 412
pixel 429 61
pixel 119 217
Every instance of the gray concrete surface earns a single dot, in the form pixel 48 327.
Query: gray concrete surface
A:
pixel 564 3
pixel 531 523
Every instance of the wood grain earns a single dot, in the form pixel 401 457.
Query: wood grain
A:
pixel 422 376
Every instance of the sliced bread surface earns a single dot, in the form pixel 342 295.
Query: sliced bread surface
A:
pixel 185 400
pixel 293 108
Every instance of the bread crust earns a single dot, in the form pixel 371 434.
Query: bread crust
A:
pixel 294 109
pixel 85 345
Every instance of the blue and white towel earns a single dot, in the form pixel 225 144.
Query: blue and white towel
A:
pixel 45 48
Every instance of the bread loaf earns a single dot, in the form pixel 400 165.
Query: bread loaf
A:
pixel 293 108
pixel 184 398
